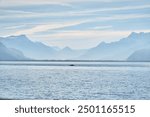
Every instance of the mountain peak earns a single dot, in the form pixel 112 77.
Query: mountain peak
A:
pixel 67 48
pixel 18 36
pixel 102 43
pixel 133 34
pixel 22 36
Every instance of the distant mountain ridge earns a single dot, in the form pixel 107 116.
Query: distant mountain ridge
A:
pixel 34 50
pixel 38 50
pixel 123 49
pixel 119 50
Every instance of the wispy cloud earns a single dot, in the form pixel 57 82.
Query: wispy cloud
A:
pixel 122 17
pixel 45 27
pixel 102 27
pixel 32 2
pixel 62 2
pixel 61 25
pixel 14 27
pixel 10 14
pixel 89 11
pixel 70 21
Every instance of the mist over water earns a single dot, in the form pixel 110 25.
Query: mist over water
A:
pixel 75 80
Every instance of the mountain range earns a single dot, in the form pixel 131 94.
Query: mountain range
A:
pixel 33 50
pixel 129 48
pixel 119 50
pixel 38 50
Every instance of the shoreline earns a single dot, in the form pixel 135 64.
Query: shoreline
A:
pixel 70 61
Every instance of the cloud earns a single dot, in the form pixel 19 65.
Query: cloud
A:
pixel 62 2
pixel 5 3
pixel 114 9
pixel 102 27
pixel 61 25
pixel 8 14
pixel 9 3
pixel 45 27
pixel 14 27
pixel 122 17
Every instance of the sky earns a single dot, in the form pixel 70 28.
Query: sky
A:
pixel 78 24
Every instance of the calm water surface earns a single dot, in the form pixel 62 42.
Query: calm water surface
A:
pixel 75 80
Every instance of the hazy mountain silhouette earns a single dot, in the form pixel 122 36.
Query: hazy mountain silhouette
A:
pixel 38 50
pixel 34 50
pixel 119 50
pixel 140 55
pixel 10 54
pixel 68 53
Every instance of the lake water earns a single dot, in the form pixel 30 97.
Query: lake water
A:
pixel 74 80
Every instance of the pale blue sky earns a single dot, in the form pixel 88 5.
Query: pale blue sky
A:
pixel 74 23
